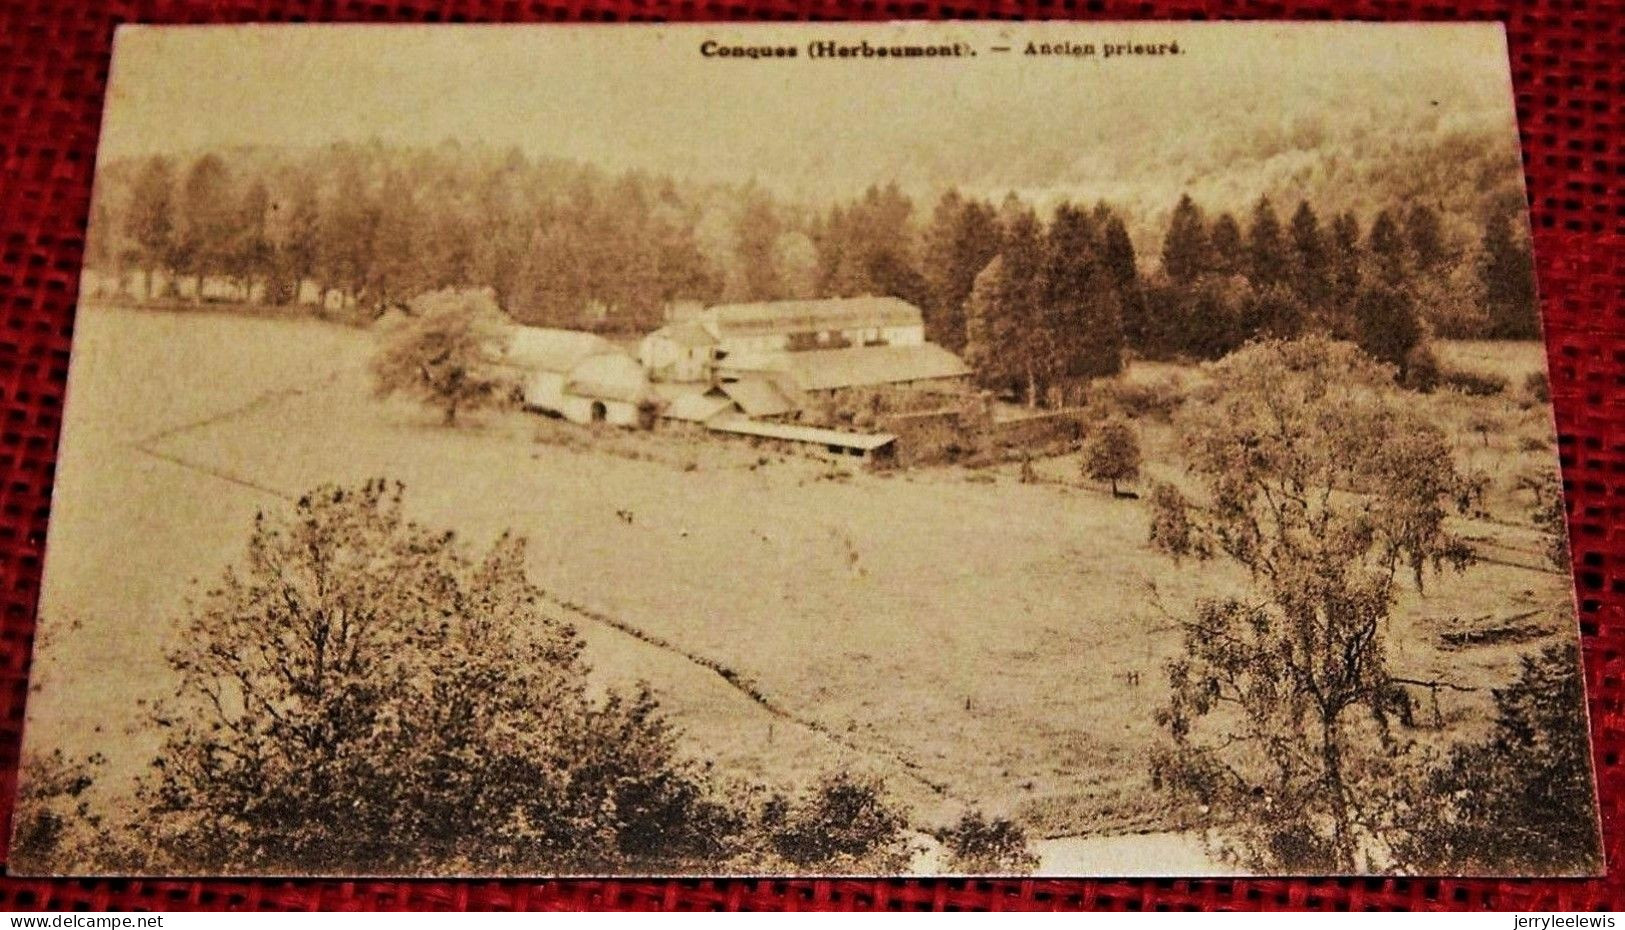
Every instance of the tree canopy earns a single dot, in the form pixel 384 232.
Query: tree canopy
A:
pixel 445 352
pixel 1328 490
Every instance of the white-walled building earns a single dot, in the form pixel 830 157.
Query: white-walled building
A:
pixel 807 325
pixel 680 352
pixel 764 335
pixel 579 376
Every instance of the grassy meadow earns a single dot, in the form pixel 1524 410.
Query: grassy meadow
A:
pixel 972 638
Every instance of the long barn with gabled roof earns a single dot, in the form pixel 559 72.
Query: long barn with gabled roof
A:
pixel 805 345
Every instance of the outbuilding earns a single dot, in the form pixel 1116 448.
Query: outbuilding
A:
pixel 679 352
pixel 868 447
pixel 579 376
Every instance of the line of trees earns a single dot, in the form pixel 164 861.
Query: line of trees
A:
pixel 373 227
pixel 1037 304
pixel 1385 287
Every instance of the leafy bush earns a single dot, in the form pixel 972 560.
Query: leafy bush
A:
pixel 1472 383
pixel 1138 400
pixel 53 826
pixel 1171 528
pixel 845 824
pixel 1550 515
pixel 1421 369
pixel 1537 388
pixel 1387 326
pixel 978 845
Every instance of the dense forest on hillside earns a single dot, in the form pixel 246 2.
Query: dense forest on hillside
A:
pixel 1067 285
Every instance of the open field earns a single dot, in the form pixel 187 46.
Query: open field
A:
pixel 971 640
pixel 1514 361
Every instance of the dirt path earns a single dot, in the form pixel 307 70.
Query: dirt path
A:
pixel 751 692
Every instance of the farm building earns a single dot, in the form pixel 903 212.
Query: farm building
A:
pixel 697 407
pixel 763 394
pixel 754 335
pixel 870 447
pixel 748 408
pixel 769 356
pixel 801 325
pixel 579 376
pixel 680 352
pixel 921 365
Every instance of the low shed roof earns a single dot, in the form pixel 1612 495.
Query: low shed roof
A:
pixel 761 396
pixel 697 408
pixel 827 369
pixel 796 433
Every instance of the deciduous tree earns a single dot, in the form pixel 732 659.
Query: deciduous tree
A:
pixel 1111 453
pixel 250 254
pixel 445 353
pixel 987 329
pixel 363 693
pixel 1326 487
pixel 756 236
pixel 149 219
pixel 208 220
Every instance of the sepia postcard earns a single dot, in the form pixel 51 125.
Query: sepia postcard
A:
pixel 887 449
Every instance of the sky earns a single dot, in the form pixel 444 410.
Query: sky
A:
pixel 644 97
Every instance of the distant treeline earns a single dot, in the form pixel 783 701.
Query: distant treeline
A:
pixel 1034 302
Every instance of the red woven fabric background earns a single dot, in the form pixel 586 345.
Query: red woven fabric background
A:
pixel 1568 63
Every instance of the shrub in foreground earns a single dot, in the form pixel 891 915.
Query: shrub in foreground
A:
pixel 979 845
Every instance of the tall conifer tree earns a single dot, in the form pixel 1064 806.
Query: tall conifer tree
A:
pixel 1508 274
pixel 1424 237
pixel 1386 245
pixel 1185 247
pixel 1309 260
pixel 1081 307
pixel 1229 253
pixel 1266 253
